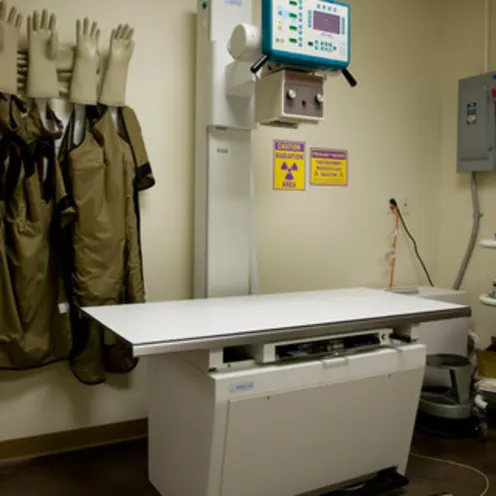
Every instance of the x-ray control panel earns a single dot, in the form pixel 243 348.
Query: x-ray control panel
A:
pixel 309 33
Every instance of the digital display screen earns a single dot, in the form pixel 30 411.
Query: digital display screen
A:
pixel 328 23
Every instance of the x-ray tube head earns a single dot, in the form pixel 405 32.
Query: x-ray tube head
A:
pixel 246 43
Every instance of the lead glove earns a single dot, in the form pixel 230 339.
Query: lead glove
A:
pixel 64 83
pixel 65 60
pixel 65 64
pixel 84 84
pixel 10 30
pixel 113 92
pixel 43 44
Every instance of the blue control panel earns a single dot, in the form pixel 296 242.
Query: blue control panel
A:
pixel 307 33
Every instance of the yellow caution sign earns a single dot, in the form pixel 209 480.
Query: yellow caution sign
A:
pixel 329 167
pixel 289 165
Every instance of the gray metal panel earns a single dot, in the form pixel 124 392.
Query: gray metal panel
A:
pixel 476 124
pixel 307 87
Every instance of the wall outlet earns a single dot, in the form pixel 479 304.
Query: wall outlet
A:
pixel 404 206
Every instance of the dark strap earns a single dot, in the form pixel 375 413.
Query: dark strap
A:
pixel 68 138
pixel 94 113
pixel 51 115
pixel 20 104
pixel 44 149
pixel 136 196
pixel 131 129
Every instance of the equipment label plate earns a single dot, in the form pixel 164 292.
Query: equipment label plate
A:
pixel 246 386
pixel 329 167
pixel 289 165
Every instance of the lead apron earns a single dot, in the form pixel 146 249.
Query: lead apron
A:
pixel 37 197
pixel 106 261
pixel 10 325
pixel 139 178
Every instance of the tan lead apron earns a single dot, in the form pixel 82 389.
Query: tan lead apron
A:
pixel 106 257
pixel 10 325
pixel 140 178
pixel 37 198
pixel 129 151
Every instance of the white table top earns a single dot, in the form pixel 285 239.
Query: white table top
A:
pixel 154 328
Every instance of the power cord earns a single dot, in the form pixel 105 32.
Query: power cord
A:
pixel 394 205
pixel 459 465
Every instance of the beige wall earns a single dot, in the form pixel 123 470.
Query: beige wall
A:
pixel 322 238
pixel 331 237
pixel 462 48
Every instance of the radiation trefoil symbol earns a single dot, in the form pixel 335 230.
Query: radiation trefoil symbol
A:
pixel 289 171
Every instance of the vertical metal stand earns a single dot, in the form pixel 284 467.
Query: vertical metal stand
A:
pixel 223 158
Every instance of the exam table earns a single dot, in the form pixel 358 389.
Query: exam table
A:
pixel 278 395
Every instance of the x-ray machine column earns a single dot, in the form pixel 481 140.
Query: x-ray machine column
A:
pixel 224 124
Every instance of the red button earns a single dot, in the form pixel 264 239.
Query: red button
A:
pixel 305 103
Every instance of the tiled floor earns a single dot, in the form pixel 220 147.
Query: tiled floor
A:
pixel 121 470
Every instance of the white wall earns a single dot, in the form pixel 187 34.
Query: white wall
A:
pixel 321 238
pixel 462 47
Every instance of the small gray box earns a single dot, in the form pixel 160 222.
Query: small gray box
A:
pixel 477 124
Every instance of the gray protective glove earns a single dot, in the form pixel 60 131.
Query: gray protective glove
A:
pixel 113 92
pixel 43 44
pixel 84 84
pixel 64 83
pixel 10 30
pixel 65 60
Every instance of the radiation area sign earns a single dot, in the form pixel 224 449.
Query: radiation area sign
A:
pixel 289 165
pixel 329 167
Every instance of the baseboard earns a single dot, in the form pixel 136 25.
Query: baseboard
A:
pixel 75 440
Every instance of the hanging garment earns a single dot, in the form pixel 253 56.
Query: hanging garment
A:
pixel 105 266
pixel 134 137
pixel 35 196
pixel 11 333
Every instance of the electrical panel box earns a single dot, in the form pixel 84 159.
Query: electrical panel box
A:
pixel 289 98
pixel 477 124
pixel 307 33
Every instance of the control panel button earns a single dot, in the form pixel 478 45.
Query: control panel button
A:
pixel 319 98
pixel 291 94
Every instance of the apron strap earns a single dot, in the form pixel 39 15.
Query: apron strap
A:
pixel 45 150
pixel 16 106
pixel 143 172
pixel 133 135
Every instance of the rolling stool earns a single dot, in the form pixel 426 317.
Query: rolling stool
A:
pixel 449 411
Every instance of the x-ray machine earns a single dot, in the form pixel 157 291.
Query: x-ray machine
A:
pixel 270 395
